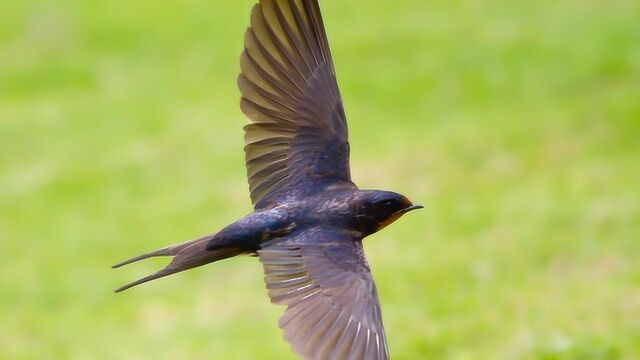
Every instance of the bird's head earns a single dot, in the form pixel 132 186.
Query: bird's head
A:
pixel 378 209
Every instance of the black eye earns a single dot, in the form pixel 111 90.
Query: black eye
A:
pixel 388 204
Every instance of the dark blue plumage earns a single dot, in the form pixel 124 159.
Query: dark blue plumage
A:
pixel 309 218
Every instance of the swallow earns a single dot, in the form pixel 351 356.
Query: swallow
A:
pixel 309 218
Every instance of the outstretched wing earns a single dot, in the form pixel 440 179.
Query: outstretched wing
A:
pixel 297 142
pixel 332 305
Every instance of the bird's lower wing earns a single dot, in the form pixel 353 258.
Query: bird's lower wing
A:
pixel 332 305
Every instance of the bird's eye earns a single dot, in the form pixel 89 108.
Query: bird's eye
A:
pixel 388 204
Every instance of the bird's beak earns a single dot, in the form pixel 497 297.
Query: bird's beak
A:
pixel 411 208
pixel 398 214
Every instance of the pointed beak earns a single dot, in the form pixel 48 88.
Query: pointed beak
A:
pixel 411 208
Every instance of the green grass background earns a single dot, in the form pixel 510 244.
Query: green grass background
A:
pixel 517 124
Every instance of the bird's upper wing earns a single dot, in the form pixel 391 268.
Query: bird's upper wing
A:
pixel 297 140
pixel 332 305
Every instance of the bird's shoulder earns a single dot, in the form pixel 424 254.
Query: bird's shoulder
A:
pixel 332 200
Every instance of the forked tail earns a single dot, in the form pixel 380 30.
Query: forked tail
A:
pixel 186 256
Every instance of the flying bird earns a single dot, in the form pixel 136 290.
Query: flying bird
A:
pixel 309 218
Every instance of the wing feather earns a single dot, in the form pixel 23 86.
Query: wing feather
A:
pixel 332 305
pixel 290 94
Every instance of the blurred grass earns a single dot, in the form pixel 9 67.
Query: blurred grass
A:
pixel 517 123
